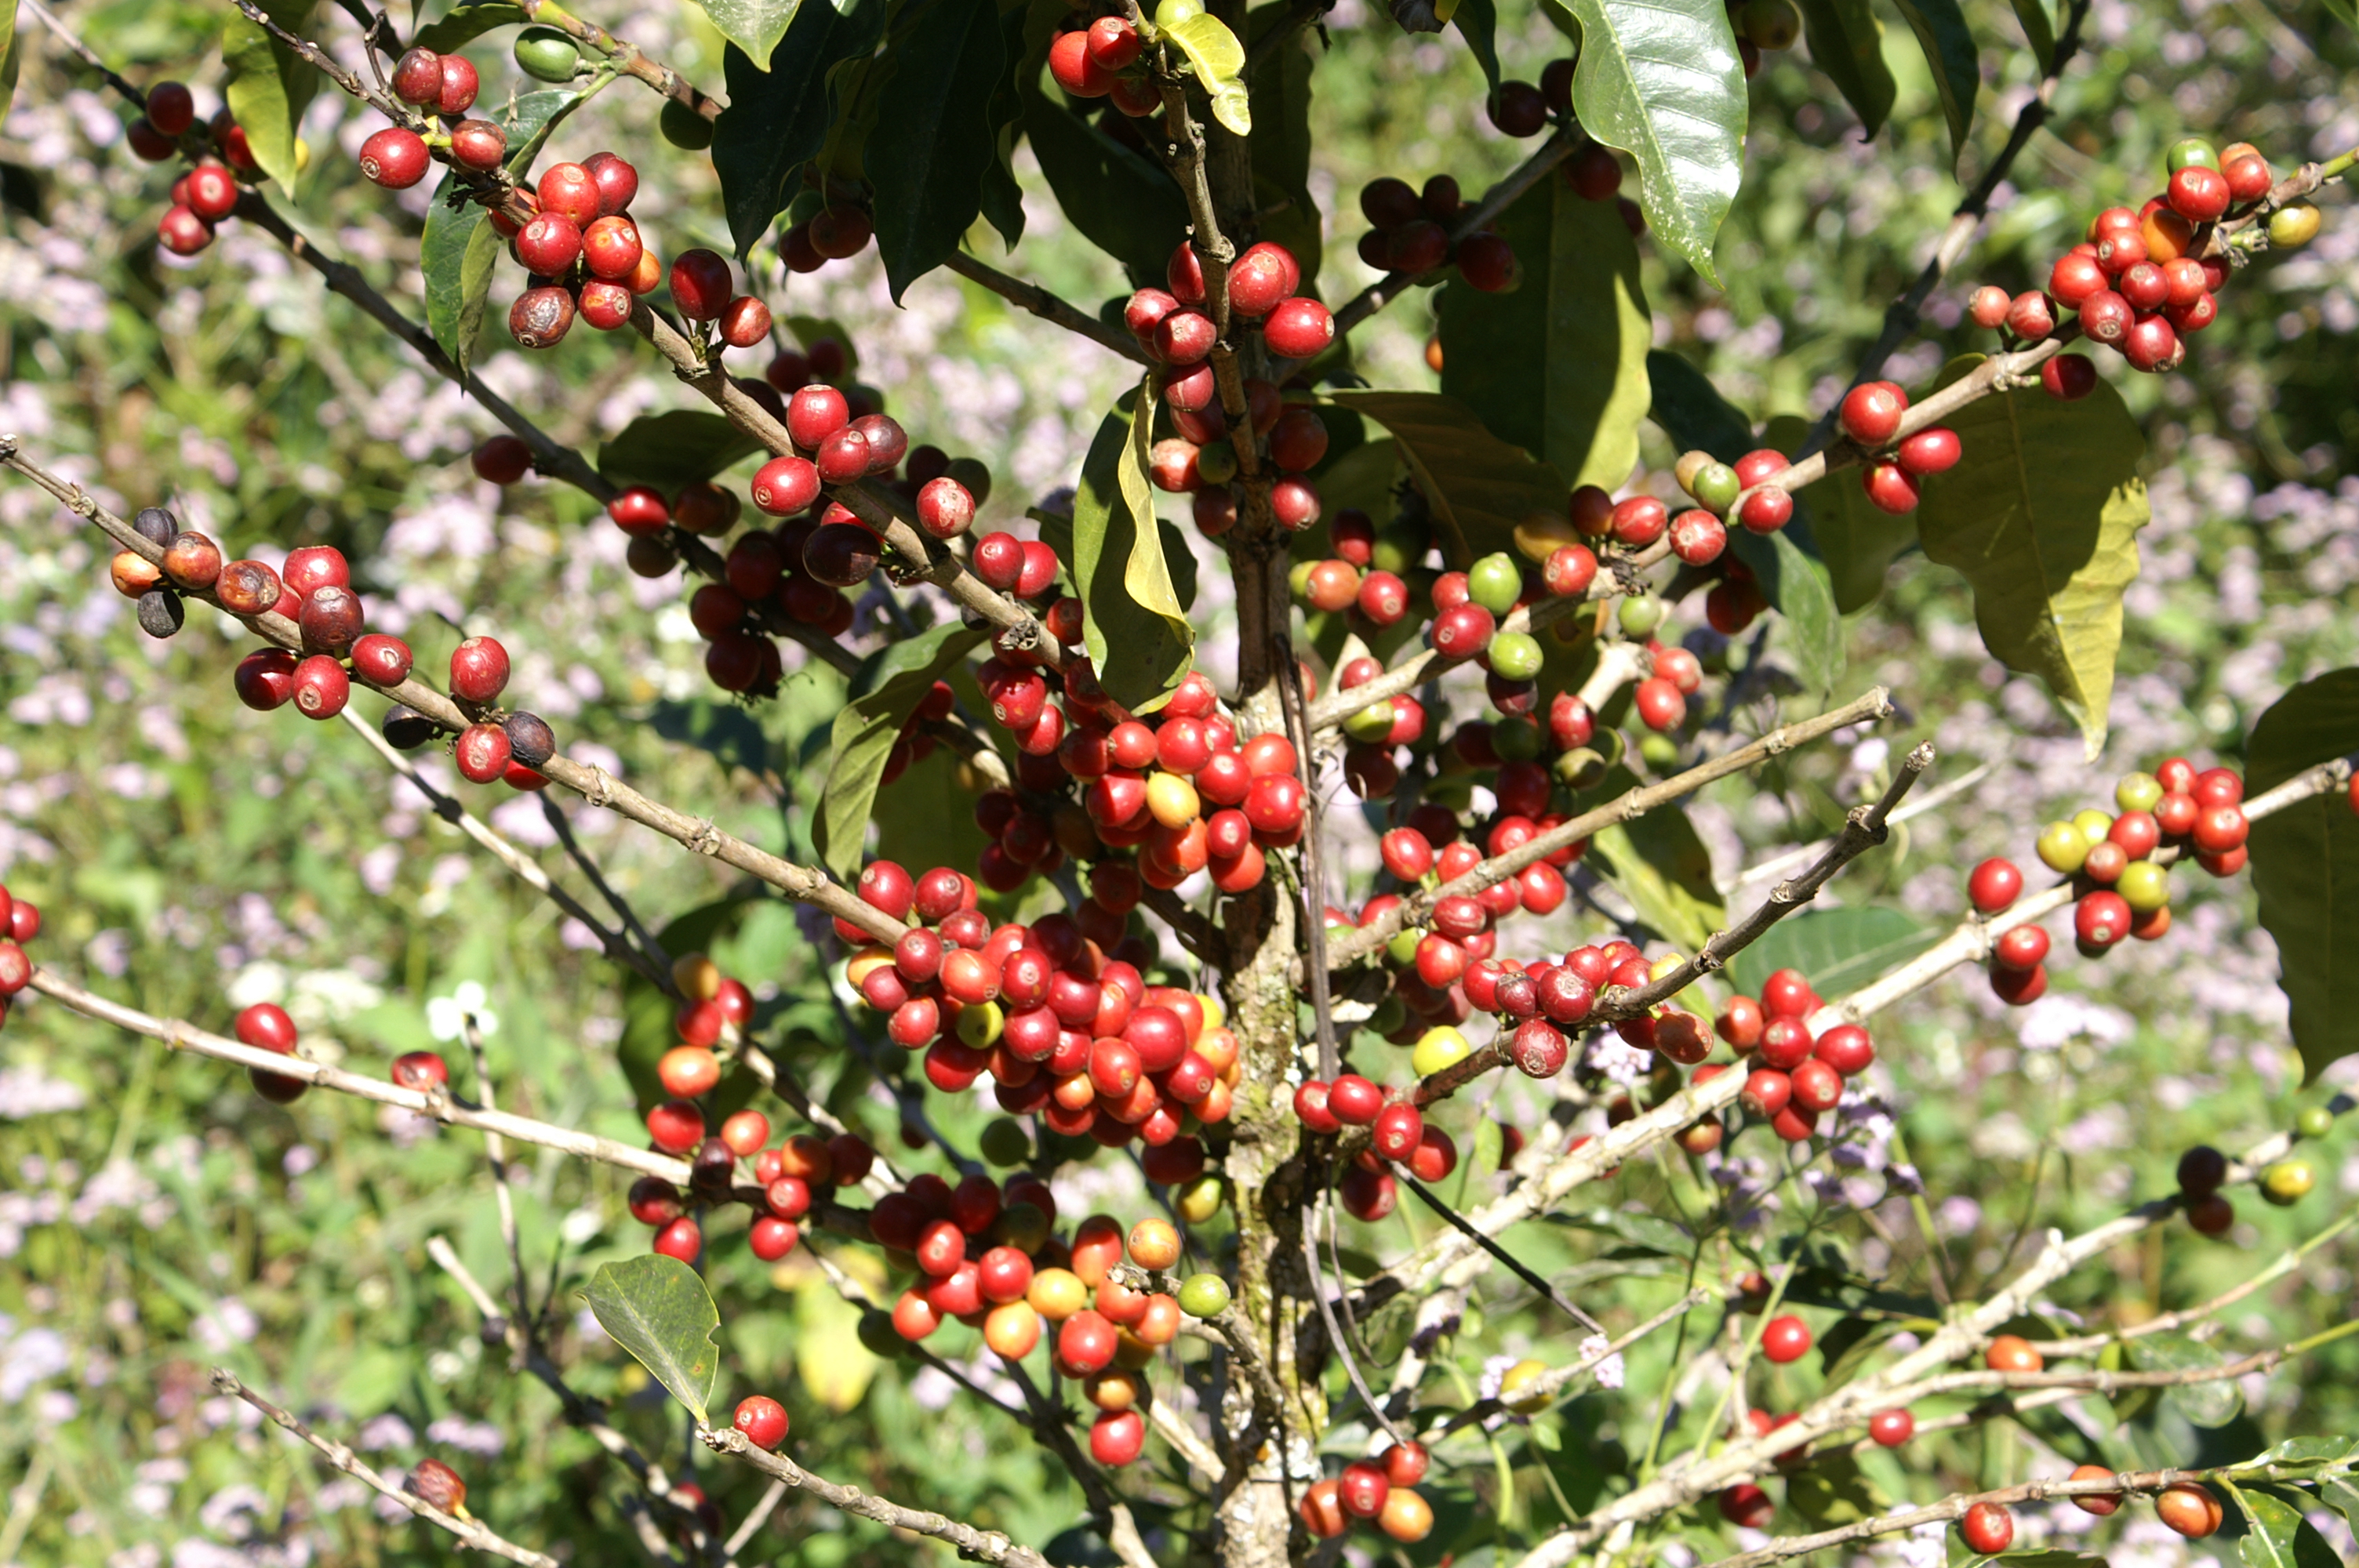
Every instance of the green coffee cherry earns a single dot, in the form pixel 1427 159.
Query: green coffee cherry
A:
pixel 2314 1121
pixel 1199 1200
pixel 1516 655
pixel 686 129
pixel 2293 225
pixel 2061 848
pixel 1436 1048
pixel 1217 462
pixel 979 1027
pixel 1579 768
pixel 2192 152
pixel 1402 949
pixel 1717 487
pixel 1496 582
pixel 1298 579
pixel 2092 826
pixel 1639 616
pixel 1004 1143
pixel 1516 739
pixel 1171 13
pixel 1204 1296
pixel 2137 792
pixel 547 55
pixel 1659 751
pixel 1372 723
pixel 2144 886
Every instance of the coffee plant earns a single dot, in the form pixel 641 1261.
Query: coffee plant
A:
pixel 1271 886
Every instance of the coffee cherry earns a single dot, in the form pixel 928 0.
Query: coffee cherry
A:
pixel 2199 194
pixel 381 660
pixel 2031 316
pixel 785 486
pixel 438 1486
pixel 682 1238
pixel 320 687
pixel 2190 1508
pixel 1784 1340
pixel 213 192
pixel 170 108
pixel 700 284
pixel 479 670
pixel 1299 329
pixel 1891 1428
pixel 1362 1488
pixel 1890 487
pixel 1930 451
pixel 395 159
pixel 2012 1353
pixel 1995 885
pixel 332 619
pixel 483 752
pixel 1988 306
pixel 417 77
pixel 541 317
pixel 1987 1527
pixel 763 1421
pixel 1748 1506
pixel 265 678
pixel 744 321
pixel 1870 414
pixel 2288 1182
pixel 2294 225
pixel 2101 919
pixel 2314 1121
pixel 2097 1503
pixel 2069 376
pixel 1517 109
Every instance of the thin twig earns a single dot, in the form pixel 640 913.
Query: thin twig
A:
pixel 495 1152
pixel 1048 307
pixel 1375 1407
pixel 1515 1265
pixel 658 964
pixel 982 1545
pixel 471 1530
pixel 1314 883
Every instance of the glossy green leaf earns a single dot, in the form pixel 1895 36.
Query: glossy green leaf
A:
pixel 933 141
pixel 1478 486
pixel 2342 1496
pixel 885 691
pixel 1280 80
pixel 1846 41
pixel 1136 631
pixel 1839 949
pixel 267 87
pixel 673 450
pixel 2215 1403
pixel 2306 865
pixel 1120 202
pixel 1477 22
pixel 2309 1450
pixel 1660 79
pixel 2279 1536
pixel 754 25
pixel 1559 365
pixel 777 118
pixel 467 22
pixel 656 1308
pixel 2041 516
pixel 1219 62
pixel 1948 46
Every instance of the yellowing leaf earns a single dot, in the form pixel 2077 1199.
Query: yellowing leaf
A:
pixel 835 1366
pixel 656 1308
pixel 2042 515
pixel 1219 62
pixel 1136 629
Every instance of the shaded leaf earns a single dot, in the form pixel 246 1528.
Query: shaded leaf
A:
pixel 885 691
pixel 933 141
pixel 656 1308
pixel 1478 24
pixel 926 817
pixel 1848 1345
pixel 2041 515
pixel 1557 366
pixel 267 87
pixel 1692 411
pixel 777 118
pixel 2038 28
pixel 2306 865
pixel 1831 1491
pixel 1660 79
pixel 1136 631
pixel 1839 949
pixel 1948 46
pixel 1478 486
pixel 467 22
pixel 1661 867
pixel 1001 199
pixel 1219 62
pixel 1846 41
pixel 2213 1403
pixel 2342 1496
pixel 754 25
pixel 721 729
pixel 1648 1233
pixel 674 450
pixel 1280 81
pixel 1121 202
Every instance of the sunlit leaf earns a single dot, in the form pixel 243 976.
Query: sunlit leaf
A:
pixel 1219 62
pixel 1136 630
pixel 2213 1403
pixel 658 1309
pixel 885 691
pixel 1839 949
pixel 1941 29
pixel 2306 865
pixel 267 86
pixel 754 25
pixel 467 22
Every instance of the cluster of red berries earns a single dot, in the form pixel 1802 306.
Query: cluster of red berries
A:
pixel 1103 60
pixel 1796 1075
pixel 2186 1507
pixel 2124 891
pixel 1065 1031
pixel 1379 1491
pixel 1870 417
pixel 790 1177
pixel 1409 234
pixel 1171 324
pixel 20 921
pixel 2141 280
pixel 208 193
pixel 1397 1131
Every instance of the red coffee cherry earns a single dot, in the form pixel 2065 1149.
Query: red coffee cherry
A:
pixel 2097 1503
pixel 541 317
pixel 438 1486
pixel 213 192
pixel 699 283
pixel 2199 194
pixel 395 159
pixel 1890 1428
pixel 483 752
pixel 417 77
pixel 1995 884
pixel 1784 1340
pixel 2188 1508
pixel 1890 487
pixel 1076 70
pixel 265 678
pixel 785 486
pixel 1747 1506
pixel 479 670
pixel 744 321
pixel 502 460
pixel 1870 414
pixel 170 108
pixel 425 1070
pixel 2069 376
pixel 320 688
pixel 1299 329
pixel 460 85
pixel 1936 451
pixel 763 1421
pixel 1987 1527
pixel 381 660
pixel 1362 1488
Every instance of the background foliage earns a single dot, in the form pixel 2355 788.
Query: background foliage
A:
pixel 157 1218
